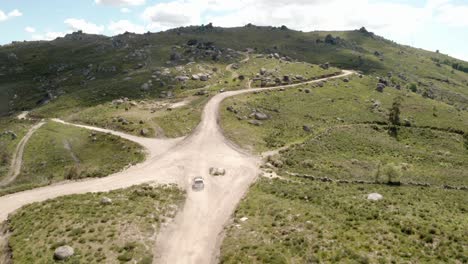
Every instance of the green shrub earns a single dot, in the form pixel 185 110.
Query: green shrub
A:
pixel 392 172
pixel 413 87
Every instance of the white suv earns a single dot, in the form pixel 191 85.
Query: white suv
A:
pixel 198 184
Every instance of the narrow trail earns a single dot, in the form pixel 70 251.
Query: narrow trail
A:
pixel 195 234
pixel 17 161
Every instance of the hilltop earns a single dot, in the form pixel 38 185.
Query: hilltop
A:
pixel 82 70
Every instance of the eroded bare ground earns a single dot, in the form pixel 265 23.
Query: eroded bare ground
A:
pixel 194 235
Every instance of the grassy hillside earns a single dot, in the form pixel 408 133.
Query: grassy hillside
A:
pixel 303 221
pixel 86 70
pixel 337 103
pixel 119 232
pixel 58 152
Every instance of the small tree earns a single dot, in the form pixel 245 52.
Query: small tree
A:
pixel 393 174
pixel 4 158
pixel 394 116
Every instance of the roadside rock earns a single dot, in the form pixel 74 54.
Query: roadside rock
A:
pixel 106 200
pixel 63 253
pixel 217 171
pixel 144 132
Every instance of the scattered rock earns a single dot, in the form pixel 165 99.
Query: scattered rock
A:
pixel 243 219
pixel 374 197
pixel 63 253
pixel 346 80
pixel 307 128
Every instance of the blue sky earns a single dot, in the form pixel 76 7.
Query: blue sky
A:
pixel 428 24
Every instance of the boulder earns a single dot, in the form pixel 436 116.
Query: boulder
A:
pixel 255 122
pixel 182 78
pixel 201 92
pixel 307 128
pixel 12 57
pixel 260 116
pixel 63 252
pixel 195 77
pixel 217 171
pixel 231 109
pixel 106 200
pixel 374 197
pixel 118 101
pixel 145 87
pixel 325 66
pixel 380 87
pixel 307 90
pixel 345 79
pixel 203 77
pixel 175 56
pixel 263 71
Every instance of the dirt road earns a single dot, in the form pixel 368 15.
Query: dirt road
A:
pixel 17 161
pixel 194 235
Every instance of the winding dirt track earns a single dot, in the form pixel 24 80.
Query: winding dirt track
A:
pixel 17 161
pixel 194 235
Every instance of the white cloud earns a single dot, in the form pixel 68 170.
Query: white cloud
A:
pixel 163 16
pixel 453 15
pixel 48 36
pixel 81 24
pixel 120 2
pixel 15 13
pixel 125 10
pixel 11 14
pixel 122 26
pixel 30 29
